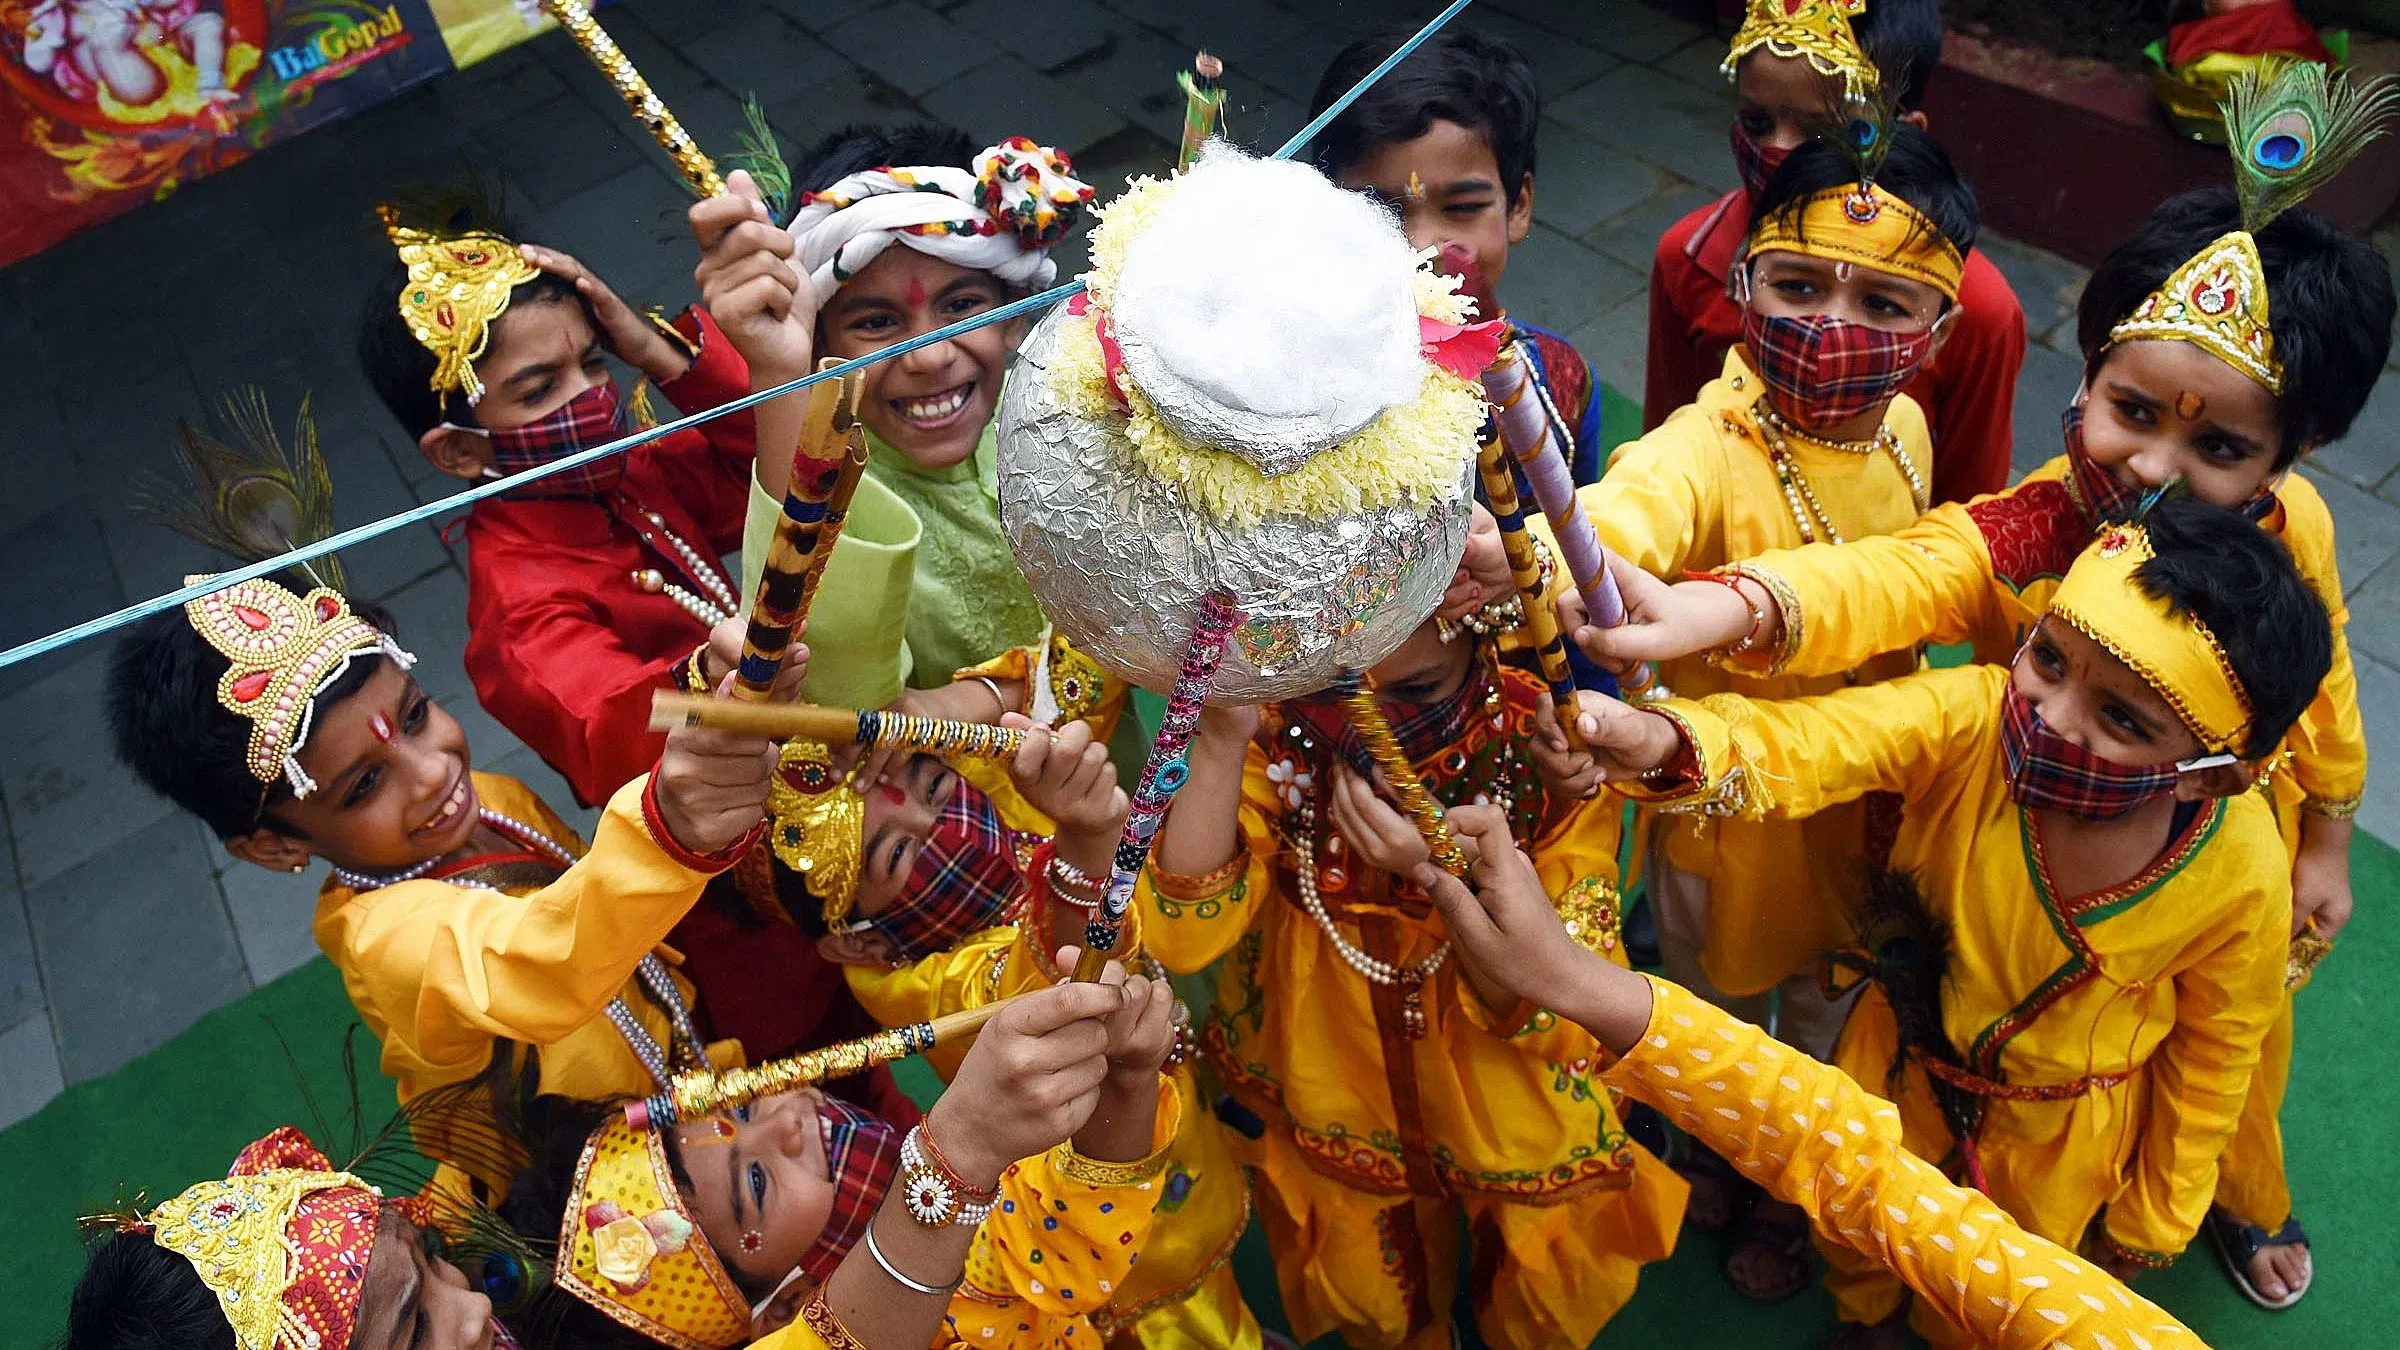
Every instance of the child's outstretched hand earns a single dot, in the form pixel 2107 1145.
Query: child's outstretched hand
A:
pixel 1664 622
pixel 767 310
pixel 1030 1080
pixel 1626 742
pixel 1140 1036
pixel 1567 774
pixel 629 334
pixel 725 653
pixel 1374 829
pixel 1066 775
pixel 711 784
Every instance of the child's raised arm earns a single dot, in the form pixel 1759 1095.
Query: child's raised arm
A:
pixel 765 308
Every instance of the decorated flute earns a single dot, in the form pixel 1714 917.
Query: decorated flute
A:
pixel 1375 730
pixel 1203 105
pixel 1529 428
pixel 823 476
pixel 693 1094
pixel 1162 777
pixel 1541 616
pixel 646 106
pixel 871 727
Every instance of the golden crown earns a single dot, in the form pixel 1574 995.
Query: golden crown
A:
pixel 236 1233
pixel 817 823
pixel 282 650
pixel 2216 301
pixel 458 287
pixel 629 1247
pixel 1815 31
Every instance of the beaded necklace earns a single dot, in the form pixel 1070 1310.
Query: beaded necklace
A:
pixel 714 608
pixel 652 972
pixel 1807 512
pixel 1410 978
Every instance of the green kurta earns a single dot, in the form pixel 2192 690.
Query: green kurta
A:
pixel 968 603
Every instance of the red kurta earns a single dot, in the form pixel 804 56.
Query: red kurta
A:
pixel 1968 392
pixel 563 645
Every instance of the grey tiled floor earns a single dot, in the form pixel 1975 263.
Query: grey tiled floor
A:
pixel 121 922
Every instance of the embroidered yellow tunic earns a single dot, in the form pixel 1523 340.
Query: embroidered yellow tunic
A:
pixel 1699 492
pixel 1811 1135
pixel 443 973
pixel 1183 1292
pixel 1068 1232
pixel 2141 1006
pixel 1375 1140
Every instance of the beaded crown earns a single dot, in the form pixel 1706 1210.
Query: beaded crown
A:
pixel 2174 653
pixel 458 287
pixel 2290 130
pixel 628 1246
pixel 1815 31
pixel 283 650
pixel 817 823
pixel 282 1241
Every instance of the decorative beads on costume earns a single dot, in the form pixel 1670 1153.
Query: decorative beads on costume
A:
pixel 653 582
pixel 1807 512
pixel 515 829
pixel 935 1195
pixel 701 568
pixel 282 650
pixel 1409 978
pixel 645 105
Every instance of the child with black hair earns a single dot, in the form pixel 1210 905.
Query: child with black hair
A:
pixel 587 588
pixel 473 930
pixel 2225 409
pixel 1446 140
pixel 1790 69
pixel 2109 906
pixel 1847 291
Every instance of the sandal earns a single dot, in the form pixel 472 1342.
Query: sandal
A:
pixel 1780 1231
pixel 2238 1244
pixel 1719 1193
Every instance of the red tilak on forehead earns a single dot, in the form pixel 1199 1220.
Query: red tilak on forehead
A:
pixel 916 293
pixel 892 793
pixel 381 726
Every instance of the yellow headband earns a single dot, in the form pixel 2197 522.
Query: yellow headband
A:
pixel 2174 654
pixel 1868 227
pixel 2216 301
pixel 628 1246
pixel 458 287
pixel 1815 31
pixel 817 824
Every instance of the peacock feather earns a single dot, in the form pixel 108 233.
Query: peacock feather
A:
pixel 2294 129
pixel 757 152
pixel 1859 125
pixel 246 496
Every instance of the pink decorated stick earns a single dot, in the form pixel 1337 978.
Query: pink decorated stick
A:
pixel 1533 440
pixel 1162 777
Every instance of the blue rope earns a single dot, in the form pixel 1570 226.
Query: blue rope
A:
pixel 360 534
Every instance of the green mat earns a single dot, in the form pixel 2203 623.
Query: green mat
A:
pixel 180 1112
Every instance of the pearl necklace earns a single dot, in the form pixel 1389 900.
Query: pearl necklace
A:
pixel 652 971
pixel 701 568
pixel 1807 512
pixel 1410 978
pixel 651 580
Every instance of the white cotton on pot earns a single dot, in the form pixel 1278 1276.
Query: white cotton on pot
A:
pixel 1267 312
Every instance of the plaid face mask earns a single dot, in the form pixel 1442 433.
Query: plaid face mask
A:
pixel 2048 772
pixel 594 417
pixel 964 880
pixel 2108 499
pixel 864 1153
pixel 1821 371
pixel 1756 163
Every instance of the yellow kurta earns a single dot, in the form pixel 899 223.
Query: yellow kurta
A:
pixel 1811 1136
pixel 2143 1006
pixel 1700 492
pixel 1068 1233
pixel 442 974
pixel 1982 573
pixel 1183 1292
pixel 1376 1141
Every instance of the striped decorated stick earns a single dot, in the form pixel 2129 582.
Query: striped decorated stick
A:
pixel 1534 440
pixel 1375 732
pixel 1541 616
pixel 647 108
pixel 823 476
pixel 871 727
pixel 1162 777
pixel 695 1093
pixel 1203 105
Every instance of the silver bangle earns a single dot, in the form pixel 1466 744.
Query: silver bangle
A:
pixel 894 1271
pixel 1071 874
pixel 997 697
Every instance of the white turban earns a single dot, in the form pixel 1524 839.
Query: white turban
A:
pixel 1003 218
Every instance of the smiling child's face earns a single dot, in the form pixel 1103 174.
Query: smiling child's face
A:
pixel 2156 411
pixel 931 404
pixel 393 787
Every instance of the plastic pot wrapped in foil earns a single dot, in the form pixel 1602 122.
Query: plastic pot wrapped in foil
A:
pixel 1276 401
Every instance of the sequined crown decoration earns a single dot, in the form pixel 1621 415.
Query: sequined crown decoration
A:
pixel 283 650
pixel 2289 132
pixel 817 824
pixel 283 1242
pixel 458 287
pixel 628 1246
pixel 1815 31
